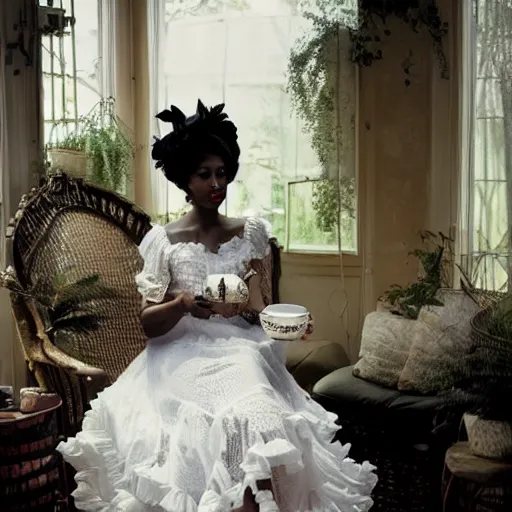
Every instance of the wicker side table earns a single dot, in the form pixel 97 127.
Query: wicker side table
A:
pixel 30 468
pixel 475 484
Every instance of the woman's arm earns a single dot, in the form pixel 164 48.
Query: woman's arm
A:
pixel 256 302
pixel 159 319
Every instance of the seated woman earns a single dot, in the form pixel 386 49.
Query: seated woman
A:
pixel 207 418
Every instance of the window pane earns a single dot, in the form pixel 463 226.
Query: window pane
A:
pixel 490 243
pixel 70 70
pixel 313 206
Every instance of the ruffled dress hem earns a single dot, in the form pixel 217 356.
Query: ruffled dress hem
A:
pixel 335 482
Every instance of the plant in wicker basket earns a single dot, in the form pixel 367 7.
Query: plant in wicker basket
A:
pixel 100 150
pixel 484 385
pixel 435 260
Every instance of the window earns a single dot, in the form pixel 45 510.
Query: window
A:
pixel 77 65
pixel 487 167
pixel 236 52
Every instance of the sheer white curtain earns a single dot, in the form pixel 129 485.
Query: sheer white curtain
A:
pixel 487 155
pixel 236 52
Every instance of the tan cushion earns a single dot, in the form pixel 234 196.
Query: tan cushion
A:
pixel 309 361
pixel 385 343
pixel 439 344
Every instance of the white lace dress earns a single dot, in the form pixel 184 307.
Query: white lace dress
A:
pixel 209 409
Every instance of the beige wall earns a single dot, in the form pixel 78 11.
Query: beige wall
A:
pixel 407 182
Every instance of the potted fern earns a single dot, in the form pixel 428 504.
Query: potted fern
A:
pixel 484 384
pixel 64 304
pixel 101 150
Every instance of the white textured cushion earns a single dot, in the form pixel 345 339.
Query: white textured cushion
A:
pixel 385 345
pixel 440 341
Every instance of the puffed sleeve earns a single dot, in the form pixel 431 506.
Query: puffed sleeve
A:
pixel 257 232
pixel 155 278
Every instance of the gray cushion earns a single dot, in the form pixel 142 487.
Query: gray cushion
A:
pixel 341 388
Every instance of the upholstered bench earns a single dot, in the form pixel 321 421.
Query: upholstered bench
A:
pixel 394 431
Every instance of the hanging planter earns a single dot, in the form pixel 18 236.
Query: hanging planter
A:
pixel 69 161
pixel 100 151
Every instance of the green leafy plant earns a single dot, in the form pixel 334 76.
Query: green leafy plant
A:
pixel 435 261
pixel 72 142
pixel 330 198
pixel 487 397
pixel 105 141
pixel 484 376
pixel 71 305
pixel 64 303
pixel 372 29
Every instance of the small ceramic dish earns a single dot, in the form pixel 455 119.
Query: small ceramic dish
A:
pixel 286 322
pixel 226 288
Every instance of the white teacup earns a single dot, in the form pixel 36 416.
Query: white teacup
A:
pixel 287 322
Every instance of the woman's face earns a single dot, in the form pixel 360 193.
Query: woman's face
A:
pixel 208 184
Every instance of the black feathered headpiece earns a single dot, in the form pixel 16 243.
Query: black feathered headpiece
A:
pixel 208 130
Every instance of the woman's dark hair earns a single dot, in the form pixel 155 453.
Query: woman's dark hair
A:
pixel 208 132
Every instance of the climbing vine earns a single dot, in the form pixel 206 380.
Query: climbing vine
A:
pixel 312 65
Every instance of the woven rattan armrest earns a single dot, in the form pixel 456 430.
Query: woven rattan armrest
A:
pixel 62 360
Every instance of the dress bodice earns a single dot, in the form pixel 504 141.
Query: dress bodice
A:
pixel 185 265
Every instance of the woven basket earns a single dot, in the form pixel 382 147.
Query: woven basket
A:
pixel 490 439
pixel 30 469
pixel 74 163
pixel 483 342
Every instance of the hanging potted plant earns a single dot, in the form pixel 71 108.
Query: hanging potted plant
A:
pixel 101 150
pixel 69 155
pixel 484 386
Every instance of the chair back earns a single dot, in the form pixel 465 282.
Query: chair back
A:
pixel 69 230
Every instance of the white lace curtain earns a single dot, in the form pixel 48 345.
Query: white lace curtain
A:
pixel 487 138
pixel 236 52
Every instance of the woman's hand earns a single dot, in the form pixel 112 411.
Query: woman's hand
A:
pixel 197 306
pixel 227 310
pixel 310 328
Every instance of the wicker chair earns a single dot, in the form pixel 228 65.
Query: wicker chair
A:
pixel 70 226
